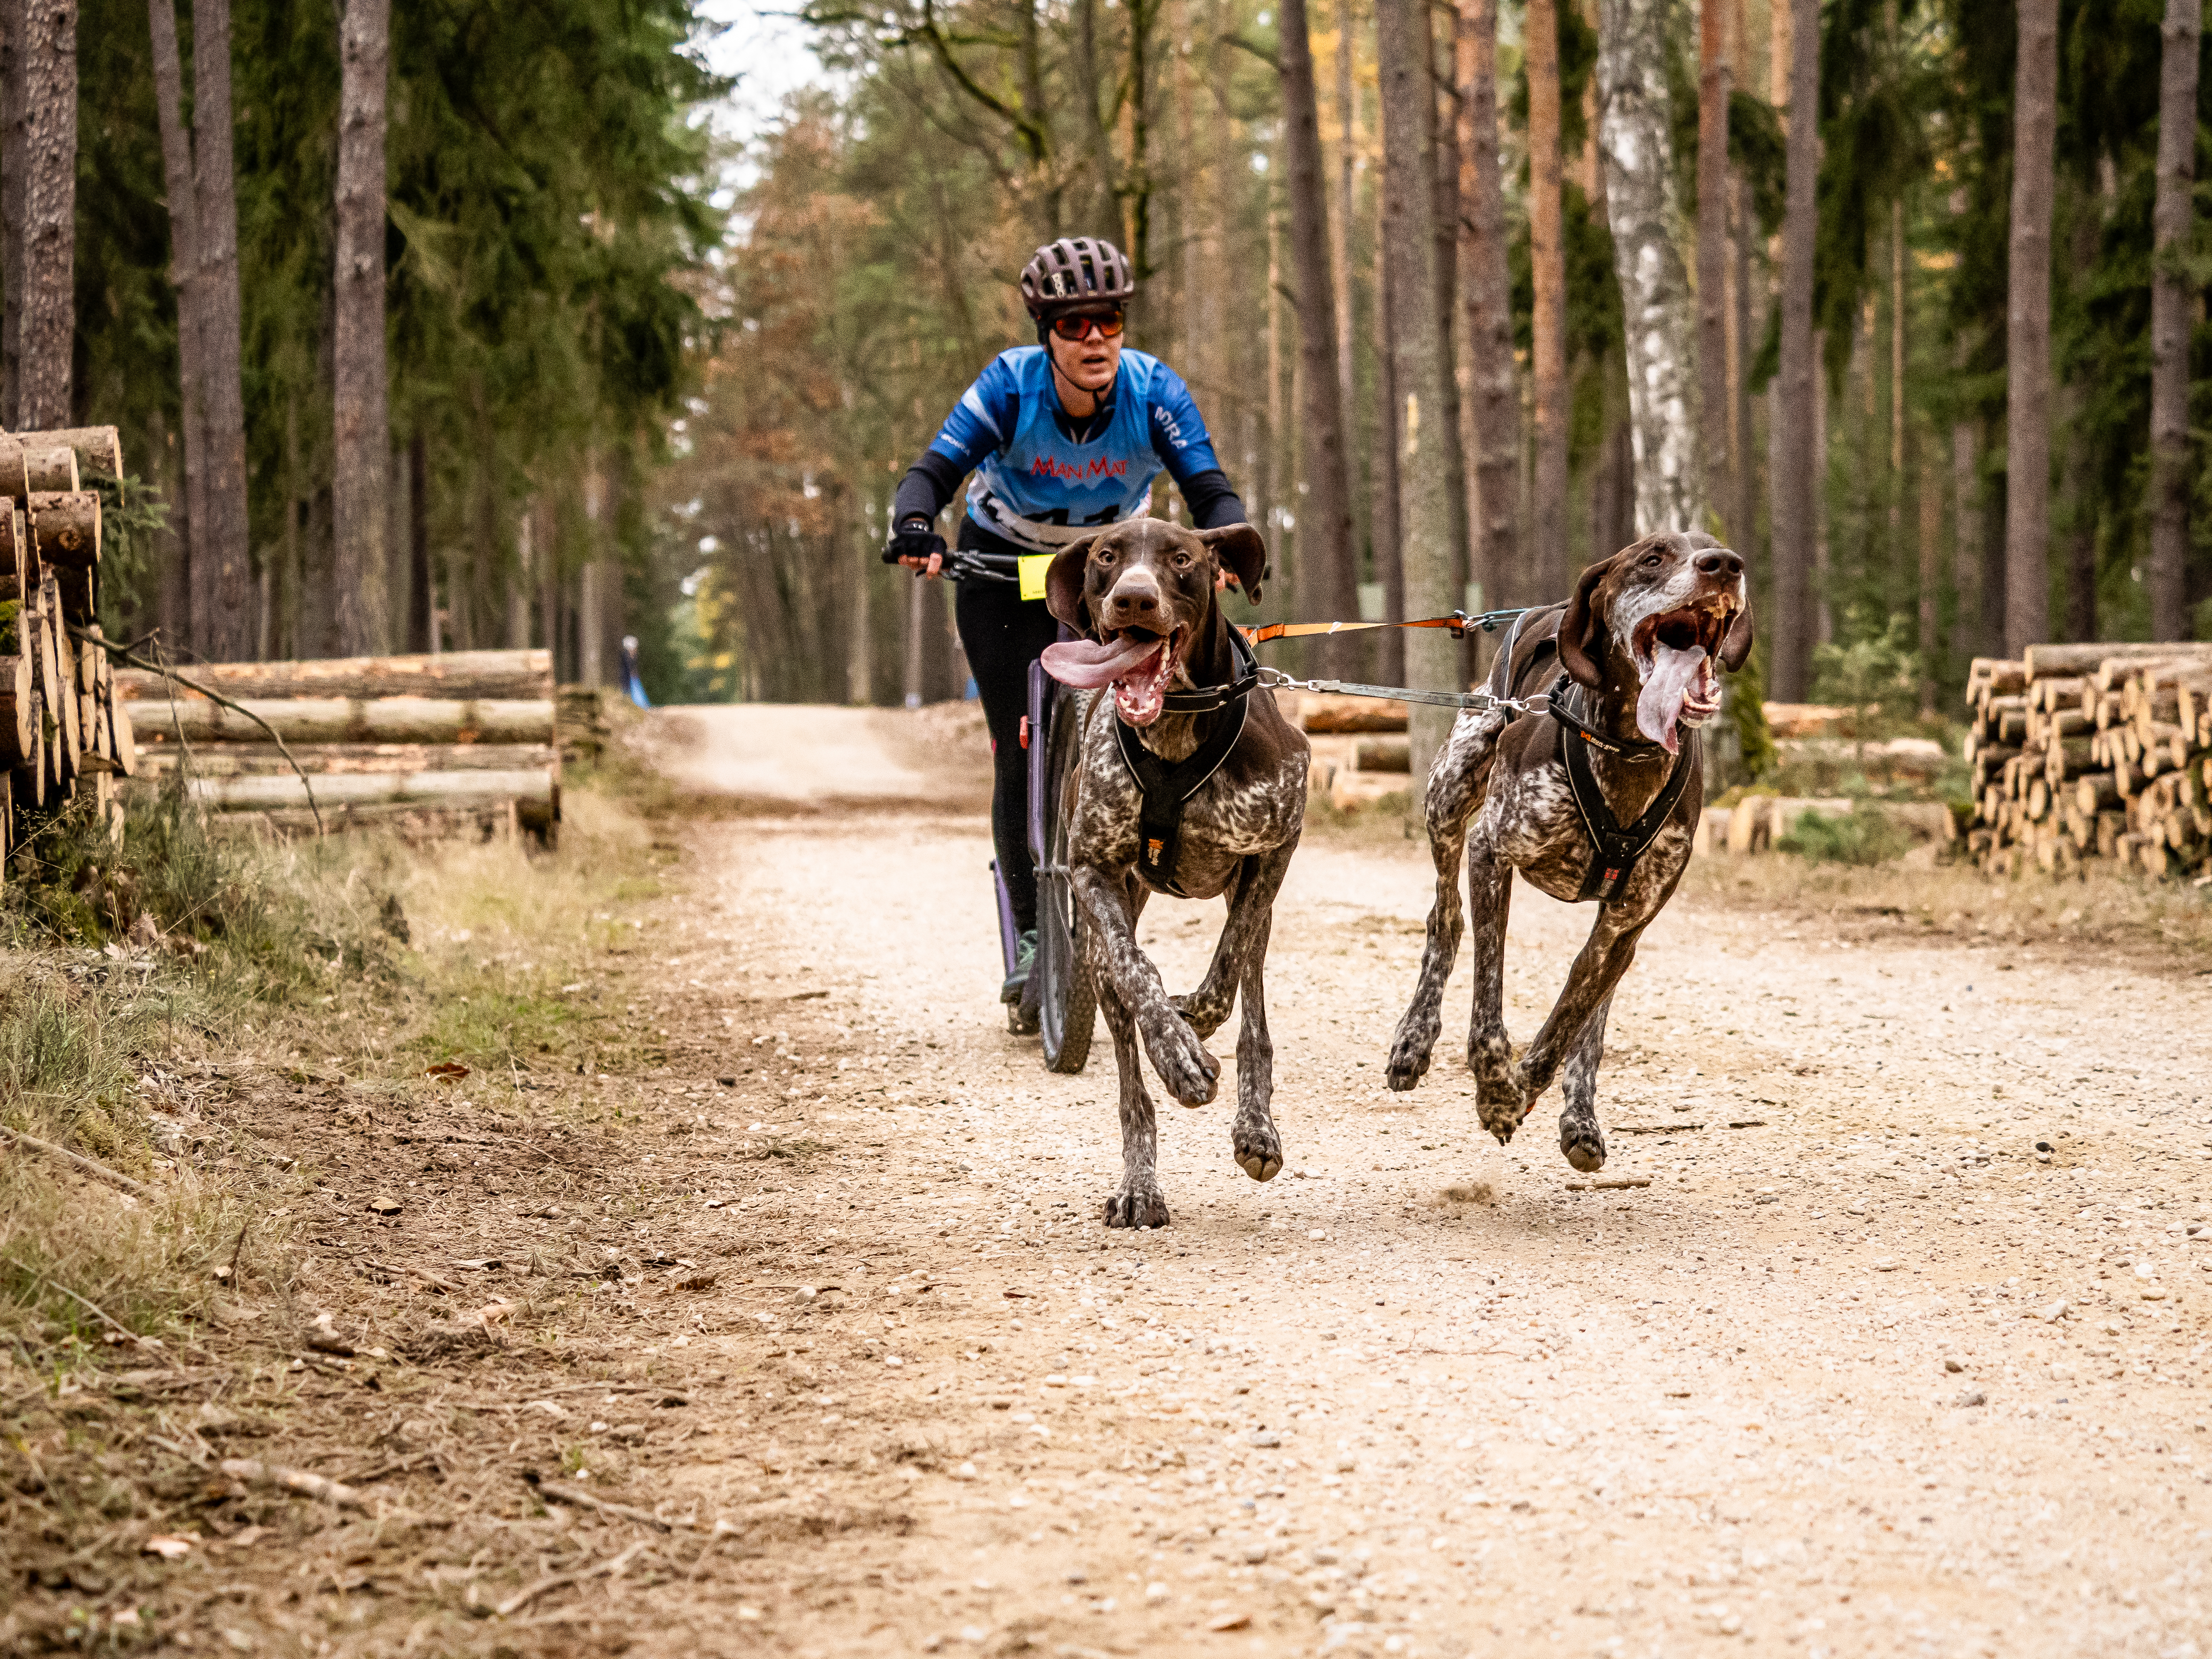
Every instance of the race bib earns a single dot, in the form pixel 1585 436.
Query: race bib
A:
pixel 1033 567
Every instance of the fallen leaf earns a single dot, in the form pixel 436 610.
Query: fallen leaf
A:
pixel 170 1547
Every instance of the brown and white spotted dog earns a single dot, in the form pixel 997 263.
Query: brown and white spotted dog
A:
pixel 1143 595
pixel 1640 641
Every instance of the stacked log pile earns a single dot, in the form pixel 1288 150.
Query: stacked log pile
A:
pixel 466 734
pixel 2082 752
pixel 61 732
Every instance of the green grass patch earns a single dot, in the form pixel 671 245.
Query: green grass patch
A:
pixel 1864 835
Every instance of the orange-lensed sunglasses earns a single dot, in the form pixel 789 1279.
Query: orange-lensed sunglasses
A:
pixel 1076 327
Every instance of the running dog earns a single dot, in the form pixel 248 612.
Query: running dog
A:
pixel 1628 663
pixel 1182 789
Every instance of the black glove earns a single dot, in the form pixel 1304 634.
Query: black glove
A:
pixel 913 539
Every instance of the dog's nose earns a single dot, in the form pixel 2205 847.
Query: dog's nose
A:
pixel 1720 561
pixel 1134 600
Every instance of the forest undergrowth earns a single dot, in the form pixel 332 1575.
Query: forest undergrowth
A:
pixel 139 971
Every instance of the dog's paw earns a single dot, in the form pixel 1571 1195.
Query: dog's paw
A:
pixel 1191 1074
pixel 1583 1141
pixel 1502 1104
pixel 1199 1013
pixel 1409 1060
pixel 1259 1150
pixel 1137 1207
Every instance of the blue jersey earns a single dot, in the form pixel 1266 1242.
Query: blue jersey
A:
pixel 1034 484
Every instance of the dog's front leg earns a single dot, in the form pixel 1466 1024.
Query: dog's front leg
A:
pixel 1191 1074
pixel 1455 789
pixel 1500 1100
pixel 1605 956
pixel 1208 1006
pixel 1139 1203
pixel 1580 1138
pixel 1253 1139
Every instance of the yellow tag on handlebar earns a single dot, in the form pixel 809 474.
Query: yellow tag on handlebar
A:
pixel 1033 567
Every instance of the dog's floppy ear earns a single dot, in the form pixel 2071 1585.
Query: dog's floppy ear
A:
pixel 1237 549
pixel 1736 644
pixel 1581 645
pixel 1063 585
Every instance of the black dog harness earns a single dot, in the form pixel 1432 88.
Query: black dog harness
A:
pixel 1617 848
pixel 1163 789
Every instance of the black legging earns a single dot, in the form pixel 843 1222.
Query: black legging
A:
pixel 1003 633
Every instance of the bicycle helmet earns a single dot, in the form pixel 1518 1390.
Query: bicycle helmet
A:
pixel 1075 271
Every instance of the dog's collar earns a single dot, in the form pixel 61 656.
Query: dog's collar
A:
pixel 1642 747
pixel 1206 699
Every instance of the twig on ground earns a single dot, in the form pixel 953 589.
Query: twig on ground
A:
pixel 136 1188
pixel 230 1273
pixel 529 1593
pixel 255 1473
pixel 446 1285
pixel 175 678
pixel 190 1455
pixel 573 1495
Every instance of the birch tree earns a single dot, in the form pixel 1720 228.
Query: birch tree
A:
pixel 1797 462
pixel 1643 205
pixel 1713 90
pixel 2173 303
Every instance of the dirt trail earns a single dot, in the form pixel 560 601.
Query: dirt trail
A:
pixel 861 1330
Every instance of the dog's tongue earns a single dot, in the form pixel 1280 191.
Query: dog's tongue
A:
pixel 1086 665
pixel 1667 685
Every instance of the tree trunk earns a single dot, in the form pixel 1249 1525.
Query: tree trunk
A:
pixel 1547 552
pixel 1347 168
pixel 1896 479
pixel 1404 52
pixel 2027 332
pixel 1931 572
pixel 1744 500
pixel 2081 498
pixel 2173 301
pixel 47 322
pixel 227 631
pixel 1797 465
pixel 1386 521
pixel 1743 523
pixel 1713 86
pixel 172 555
pixel 1493 384
pixel 1327 581
pixel 178 175
pixel 360 437
pixel 1137 177
pixel 1967 542
pixel 1443 167
pixel 420 598
pixel 1655 289
pixel 15 126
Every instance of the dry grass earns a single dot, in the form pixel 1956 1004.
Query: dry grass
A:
pixel 355 957
pixel 2170 925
